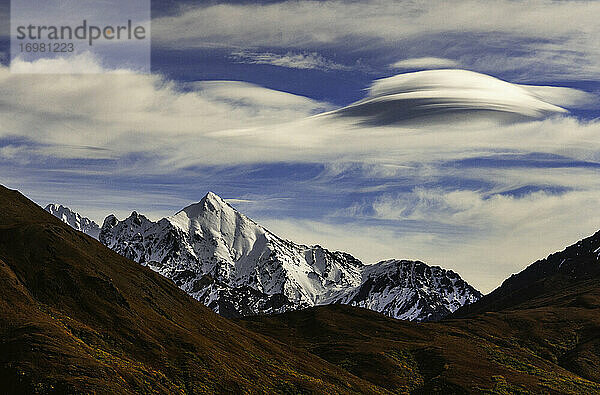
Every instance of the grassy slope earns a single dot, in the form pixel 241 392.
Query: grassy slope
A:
pixel 539 333
pixel 76 317
pixel 496 352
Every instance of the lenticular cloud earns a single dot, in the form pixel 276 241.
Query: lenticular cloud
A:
pixel 442 95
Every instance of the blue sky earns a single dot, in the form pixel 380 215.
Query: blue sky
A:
pixel 484 194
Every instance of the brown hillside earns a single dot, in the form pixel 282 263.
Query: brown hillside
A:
pixel 539 333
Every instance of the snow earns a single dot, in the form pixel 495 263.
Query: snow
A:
pixel 409 290
pixel 73 219
pixel 249 265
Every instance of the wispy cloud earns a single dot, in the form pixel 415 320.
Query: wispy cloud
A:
pixel 539 38
pixel 230 122
pixel 85 63
pixel 241 94
pixel 420 191
pixel 291 23
pixel 300 60
pixel 484 238
pixel 425 63
pixel 135 113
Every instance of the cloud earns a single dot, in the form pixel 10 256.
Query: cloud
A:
pixel 303 60
pixel 11 152
pixel 121 114
pixel 539 38
pixel 484 238
pixel 290 23
pixel 442 193
pixel 567 97
pixel 173 126
pixel 438 95
pixel 84 63
pixel 244 94
pixel 473 209
pixel 425 63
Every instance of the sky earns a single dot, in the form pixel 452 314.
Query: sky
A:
pixel 461 133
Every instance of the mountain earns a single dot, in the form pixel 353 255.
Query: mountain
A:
pixel 410 290
pixel 75 220
pixel 563 290
pixel 75 317
pixel 238 268
pixel 519 352
pixel 539 332
pixel 560 274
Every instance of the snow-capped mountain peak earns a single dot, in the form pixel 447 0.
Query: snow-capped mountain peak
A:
pixel 237 267
pixel 210 202
pixel 214 219
pixel 74 219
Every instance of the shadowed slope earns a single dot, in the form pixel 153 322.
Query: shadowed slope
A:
pixel 77 317
pixel 496 353
pixel 560 279
pixel 563 292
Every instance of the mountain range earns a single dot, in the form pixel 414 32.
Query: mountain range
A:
pixel 76 317
pixel 238 268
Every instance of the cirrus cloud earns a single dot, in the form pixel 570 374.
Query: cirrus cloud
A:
pixel 425 63
pixel 293 60
pixel 535 40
